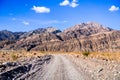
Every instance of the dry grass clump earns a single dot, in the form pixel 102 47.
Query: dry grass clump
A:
pixel 102 55
pixel 12 55
pixel 112 56
pixel 109 56
pixel 86 53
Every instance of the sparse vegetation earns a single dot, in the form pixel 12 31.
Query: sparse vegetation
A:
pixel 86 53
pixel 6 56
pixel 14 57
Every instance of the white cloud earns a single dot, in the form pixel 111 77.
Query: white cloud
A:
pixel 65 21
pixel 42 9
pixel 54 22
pixel 74 4
pixel 113 8
pixel 13 19
pixel 68 3
pixel 65 3
pixel 26 23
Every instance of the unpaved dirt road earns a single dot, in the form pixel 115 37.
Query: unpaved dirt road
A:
pixel 60 68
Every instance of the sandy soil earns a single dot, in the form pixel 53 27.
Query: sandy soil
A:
pixel 63 67
pixel 60 68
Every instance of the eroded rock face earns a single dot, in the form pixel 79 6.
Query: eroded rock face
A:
pixel 23 69
pixel 83 29
pixel 8 35
pixel 83 37
pixel 109 41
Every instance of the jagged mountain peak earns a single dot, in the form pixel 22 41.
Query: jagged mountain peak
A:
pixel 5 31
pixel 97 25
pixel 85 36
pixel 92 26
pixel 52 30
pixel 84 29
pixel 8 35
pixel 41 31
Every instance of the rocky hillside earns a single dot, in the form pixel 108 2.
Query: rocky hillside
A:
pixel 84 29
pixel 8 35
pixel 41 31
pixel 82 37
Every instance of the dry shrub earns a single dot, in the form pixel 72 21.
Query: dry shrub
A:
pixel 86 53
pixel 14 57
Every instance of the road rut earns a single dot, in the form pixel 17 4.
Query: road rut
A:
pixel 60 68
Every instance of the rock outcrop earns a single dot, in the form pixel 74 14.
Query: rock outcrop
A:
pixel 82 37
pixel 23 69
pixel 8 35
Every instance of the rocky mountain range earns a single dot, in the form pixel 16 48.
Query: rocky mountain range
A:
pixel 89 36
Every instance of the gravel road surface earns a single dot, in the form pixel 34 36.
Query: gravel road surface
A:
pixel 61 67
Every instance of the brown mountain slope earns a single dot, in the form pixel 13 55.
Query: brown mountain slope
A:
pixel 83 29
pixel 82 37
pixel 108 41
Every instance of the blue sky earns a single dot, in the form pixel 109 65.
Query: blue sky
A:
pixel 26 15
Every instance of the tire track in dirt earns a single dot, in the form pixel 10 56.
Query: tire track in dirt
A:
pixel 60 68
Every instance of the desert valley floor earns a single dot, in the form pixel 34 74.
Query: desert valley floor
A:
pixel 61 66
